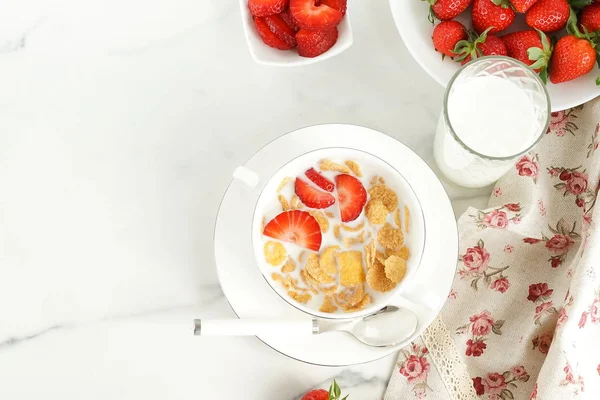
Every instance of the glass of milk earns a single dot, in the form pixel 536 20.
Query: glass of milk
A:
pixel 495 110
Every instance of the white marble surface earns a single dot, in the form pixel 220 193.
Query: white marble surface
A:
pixel 120 124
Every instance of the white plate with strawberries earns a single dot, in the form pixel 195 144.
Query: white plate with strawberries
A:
pixel 571 62
pixel 265 223
pixel 295 32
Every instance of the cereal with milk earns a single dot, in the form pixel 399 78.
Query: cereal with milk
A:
pixel 335 240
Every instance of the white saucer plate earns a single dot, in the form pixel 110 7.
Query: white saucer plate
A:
pixel 250 296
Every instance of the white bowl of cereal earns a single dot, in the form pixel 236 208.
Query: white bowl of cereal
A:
pixel 337 233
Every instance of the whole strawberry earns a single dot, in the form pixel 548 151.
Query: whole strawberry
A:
pixel 446 10
pixel 521 6
pixel 573 56
pixel 334 393
pixel 495 14
pixel 446 35
pixel 484 45
pixel 548 15
pixel 590 17
pixel 531 48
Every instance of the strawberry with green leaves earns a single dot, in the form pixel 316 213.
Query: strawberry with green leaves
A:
pixel 531 48
pixel 574 55
pixel 548 15
pixel 495 14
pixel 446 10
pixel 334 393
pixel 479 46
pixel 590 17
pixel 446 36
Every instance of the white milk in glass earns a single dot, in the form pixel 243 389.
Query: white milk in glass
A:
pixel 496 119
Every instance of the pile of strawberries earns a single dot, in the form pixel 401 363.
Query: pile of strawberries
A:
pixel 309 25
pixel 562 59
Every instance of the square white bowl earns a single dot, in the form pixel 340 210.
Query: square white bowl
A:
pixel 263 54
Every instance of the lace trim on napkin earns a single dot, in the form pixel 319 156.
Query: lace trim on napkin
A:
pixel 450 365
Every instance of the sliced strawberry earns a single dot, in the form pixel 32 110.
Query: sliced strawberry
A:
pixel 340 5
pixel 262 8
pixel 281 29
pixel 312 44
pixel 269 37
pixel 312 197
pixel 314 17
pixel 297 227
pixel 352 196
pixel 319 180
pixel 287 17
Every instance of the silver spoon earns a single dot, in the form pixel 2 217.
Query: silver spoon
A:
pixel 387 327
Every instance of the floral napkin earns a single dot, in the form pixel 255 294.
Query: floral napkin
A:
pixel 522 320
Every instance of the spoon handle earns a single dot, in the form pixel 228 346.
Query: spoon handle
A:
pixel 254 327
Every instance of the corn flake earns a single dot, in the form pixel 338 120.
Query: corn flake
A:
pixel 370 250
pixel 300 297
pixel 285 206
pixel 354 167
pixel 330 289
pixel 376 212
pixel 329 214
pixel 351 268
pixel 284 182
pixel 313 267
pixel 373 180
pixel 406 219
pixel 403 252
pixel 336 232
pixel 309 281
pixel 328 306
pixel 351 295
pixel 328 165
pixel 366 300
pixel 353 229
pixel 390 237
pixel 386 195
pixel 397 218
pixel 377 279
pixel 289 266
pixel 275 253
pixel 351 241
pixel 301 256
pixel 321 220
pixel 379 256
pixel 381 180
pixel 395 268
pixel 295 202
pixel 327 260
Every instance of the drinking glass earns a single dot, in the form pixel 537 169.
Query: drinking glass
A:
pixel 457 160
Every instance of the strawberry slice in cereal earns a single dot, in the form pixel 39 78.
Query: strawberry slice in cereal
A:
pixel 352 197
pixel 311 196
pixel 298 227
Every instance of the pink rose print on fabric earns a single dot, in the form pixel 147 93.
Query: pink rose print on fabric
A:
pixel 563 316
pixel 538 294
pixel 534 392
pixel 479 326
pixel 598 369
pixel 542 342
pixel 570 379
pixel 541 207
pixel 559 244
pixel 561 122
pixel 499 218
pixel 476 266
pixel 415 367
pixel 498 385
pixel 497 192
pixel 593 311
pixel 452 294
pixel 592 147
pixel 508 248
pixel 574 182
pixel 529 166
